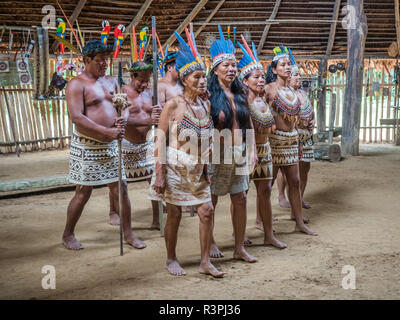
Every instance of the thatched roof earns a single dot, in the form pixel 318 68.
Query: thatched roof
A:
pixel 305 35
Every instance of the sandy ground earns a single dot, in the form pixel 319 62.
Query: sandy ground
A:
pixel 355 209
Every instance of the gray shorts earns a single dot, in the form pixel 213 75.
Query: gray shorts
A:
pixel 229 178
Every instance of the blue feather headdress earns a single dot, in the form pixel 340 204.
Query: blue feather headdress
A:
pixel 250 60
pixel 162 61
pixel 222 49
pixel 188 59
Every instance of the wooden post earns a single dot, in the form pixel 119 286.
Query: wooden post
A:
pixel 268 26
pixel 321 111
pixel 355 65
pixel 332 117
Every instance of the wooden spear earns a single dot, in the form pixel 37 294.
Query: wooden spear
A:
pixel 155 101
pixel 120 103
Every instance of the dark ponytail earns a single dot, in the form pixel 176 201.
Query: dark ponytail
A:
pixel 270 75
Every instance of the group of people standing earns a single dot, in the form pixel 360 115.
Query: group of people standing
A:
pixel 214 136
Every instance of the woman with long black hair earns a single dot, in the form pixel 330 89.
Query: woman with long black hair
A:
pixel 230 113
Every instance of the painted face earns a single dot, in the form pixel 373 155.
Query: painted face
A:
pixel 295 80
pixel 256 81
pixel 283 68
pixel 196 81
pixel 141 81
pixel 226 70
pixel 98 65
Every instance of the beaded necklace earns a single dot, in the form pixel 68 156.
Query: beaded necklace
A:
pixel 264 120
pixel 289 109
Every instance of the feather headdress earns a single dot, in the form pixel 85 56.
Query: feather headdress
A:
pixel 167 58
pixel 250 60
pixel 222 49
pixel 283 52
pixel 188 59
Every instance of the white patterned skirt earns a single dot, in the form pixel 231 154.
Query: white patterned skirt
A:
pixel 284 147
pixel 263 170
pixel 138 160
pixel 93 162
pixel 186 184
pixel 305 137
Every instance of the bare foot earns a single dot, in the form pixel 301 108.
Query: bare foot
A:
pixel 247 241
pixel 211 270
pixel 135 242
pixel 283 203
pixel 155 226
pixel 305 229
pixel 275 242
pixel 305 219
pixel 71 243
pixel 215 252
pixel 305 204
pixel 174 268
pixel 243 255
pixel 259 226
pixel 114 219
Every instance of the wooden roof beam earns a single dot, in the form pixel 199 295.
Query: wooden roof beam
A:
pixel 268 26
pixel 186 22
pixel 335 16
pixel 397 15
pixel 138 17
pixel 71 19
pixel 212 14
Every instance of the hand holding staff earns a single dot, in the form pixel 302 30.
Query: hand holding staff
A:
pixel 120 103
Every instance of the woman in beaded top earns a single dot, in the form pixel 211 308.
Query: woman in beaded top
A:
pixel 305 129
pixel 284 141
pixel 252 76
pixel 183 143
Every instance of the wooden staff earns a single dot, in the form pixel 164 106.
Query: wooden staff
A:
pixel 12 123
pixel 120 103
pixel 155 101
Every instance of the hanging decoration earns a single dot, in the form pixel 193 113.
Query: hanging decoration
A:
pixel 105 32
pixel 143 41
pixel 61 33
pixel 118 39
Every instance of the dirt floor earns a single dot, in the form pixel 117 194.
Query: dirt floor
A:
pixel 355 209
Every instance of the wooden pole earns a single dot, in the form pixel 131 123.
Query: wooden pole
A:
pixel 155 101
pixel 120 202
pixel 12 123
pixel 186 22
pixel 268 26
pixel 321 111
pixel 355 64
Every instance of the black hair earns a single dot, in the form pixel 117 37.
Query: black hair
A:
pixel 139 66
pixel 220 102
pixel 171 63
pixel 270 75
pixel 94 47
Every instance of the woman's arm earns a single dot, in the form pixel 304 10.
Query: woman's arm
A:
pixel 160 154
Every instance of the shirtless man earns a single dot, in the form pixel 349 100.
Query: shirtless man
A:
pixel 169 86
pixel 138 152
pixel 94 149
